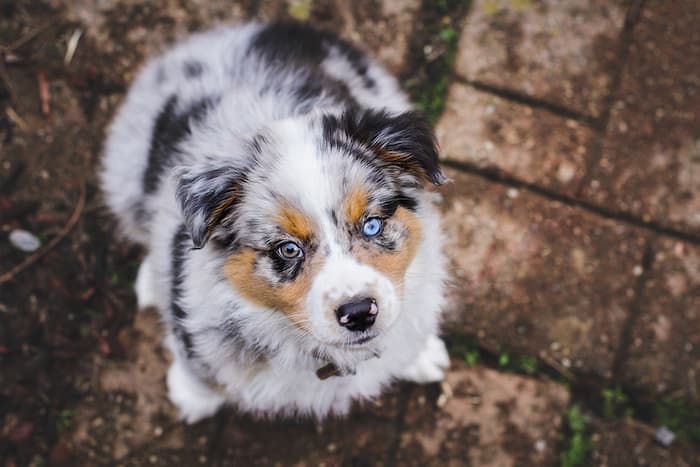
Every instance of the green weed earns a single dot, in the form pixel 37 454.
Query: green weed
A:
pixel 579 445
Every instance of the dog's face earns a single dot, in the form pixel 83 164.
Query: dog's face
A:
pixel 323 221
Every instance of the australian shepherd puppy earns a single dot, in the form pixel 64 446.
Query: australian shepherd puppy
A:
pixel 280 183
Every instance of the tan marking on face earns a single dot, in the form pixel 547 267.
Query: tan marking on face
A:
pixel 355 205
pixel 287 297
pixel 394 264
pixel 294 223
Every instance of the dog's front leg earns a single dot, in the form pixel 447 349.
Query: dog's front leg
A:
pixel 192 397
pixel 431 363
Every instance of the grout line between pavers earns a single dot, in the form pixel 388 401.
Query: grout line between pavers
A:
pixel 634 310
pixel 399 426
pixel 530 101
pixel 502 178
pixel 625 40
pixel 214 452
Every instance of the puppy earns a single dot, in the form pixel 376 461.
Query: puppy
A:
pixel 279 181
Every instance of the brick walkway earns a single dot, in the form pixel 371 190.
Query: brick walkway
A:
pixel 571 130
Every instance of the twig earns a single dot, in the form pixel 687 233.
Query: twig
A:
pixel 9 275
pixel 568 375
pixel 4 77
pixel 44 93
pixel 72 46
pixel 14 116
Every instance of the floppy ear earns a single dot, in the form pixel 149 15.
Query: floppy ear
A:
pixel 403 140
pixel 206 196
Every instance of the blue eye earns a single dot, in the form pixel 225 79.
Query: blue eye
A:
pixel 371 227
pixel 289 250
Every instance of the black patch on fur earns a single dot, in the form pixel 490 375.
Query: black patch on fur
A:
pixel 257 144
pixel 291 41
pixel 170 129
pixel 286 270
pixel 389 206
pixel 180 244
pixel 300 48
pixel 404 140
pixel 193 69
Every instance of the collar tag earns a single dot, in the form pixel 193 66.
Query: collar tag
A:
pixel 331 369
pixel 327 371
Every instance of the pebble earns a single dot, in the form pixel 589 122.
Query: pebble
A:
pixel 665 436
pixel 24 241
pixel 540 445
pixel 638 270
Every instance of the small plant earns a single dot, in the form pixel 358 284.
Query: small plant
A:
pixel 472 357
pixel 503 359
pixel 528 365
pixel 64 420
pixel 579 445
pixel 448 34
pixel 615 402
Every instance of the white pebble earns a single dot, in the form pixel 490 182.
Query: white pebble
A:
pixel 665 436
pixel 25 241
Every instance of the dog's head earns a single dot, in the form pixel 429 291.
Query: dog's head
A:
pixel 322 219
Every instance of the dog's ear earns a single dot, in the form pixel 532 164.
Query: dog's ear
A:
pixel 402 140
pixel 206 196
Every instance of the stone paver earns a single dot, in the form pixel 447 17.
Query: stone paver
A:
pixel 490 419
pixel 531 144
pixel 365 437
pixel 139 413
pixel 147 28
pixel 625 443
pixel 538 276
pixel 650 162
pixel 561 52
pixel 664 355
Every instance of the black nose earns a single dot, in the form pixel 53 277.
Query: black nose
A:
pixel 359 315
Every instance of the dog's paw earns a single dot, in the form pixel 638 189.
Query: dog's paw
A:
pixel 431 363
pixel 145 286
pixel 193 399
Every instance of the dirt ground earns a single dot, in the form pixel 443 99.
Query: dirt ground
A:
pixel 571 132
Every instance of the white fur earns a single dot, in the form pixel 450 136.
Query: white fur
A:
pixel 285 381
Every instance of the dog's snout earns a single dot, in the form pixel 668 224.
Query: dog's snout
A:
pixel 357 315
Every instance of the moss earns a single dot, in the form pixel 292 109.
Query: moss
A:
pixel 470 350
pixel 472 357
pixel 680 416
pixel 578 445
pixel 434 55
pixel 615 403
